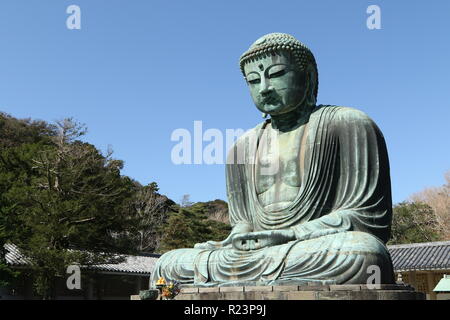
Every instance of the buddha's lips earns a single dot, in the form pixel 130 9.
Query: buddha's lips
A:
pixel 270 100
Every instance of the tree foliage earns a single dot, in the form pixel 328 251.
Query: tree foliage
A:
pixel 438 198
pixel 216 210
pixel 18 140
pixel 413 222
pixel 149 213
pixel 190 225
pixel 59 193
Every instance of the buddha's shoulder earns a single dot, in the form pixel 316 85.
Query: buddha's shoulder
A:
pixel 341 115
pixel 244 141
pixel 252 133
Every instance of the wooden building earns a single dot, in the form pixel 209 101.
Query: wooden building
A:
pixel 422 265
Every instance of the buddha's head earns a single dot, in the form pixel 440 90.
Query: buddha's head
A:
pixel 281 73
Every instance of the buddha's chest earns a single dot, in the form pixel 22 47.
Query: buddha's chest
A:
pixel 279 162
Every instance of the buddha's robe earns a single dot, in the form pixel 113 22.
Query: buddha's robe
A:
pixel 341 215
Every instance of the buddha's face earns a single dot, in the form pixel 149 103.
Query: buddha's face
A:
pixel 276 85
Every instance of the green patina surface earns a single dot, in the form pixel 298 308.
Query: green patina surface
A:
pixel 148 294
pixel 308 189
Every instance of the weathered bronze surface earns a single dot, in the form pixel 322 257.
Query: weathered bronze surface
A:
pixel 309 188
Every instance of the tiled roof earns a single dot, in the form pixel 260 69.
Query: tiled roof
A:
pixel 131 264
pixel 140 264
pixel 421 256
pixel 14 256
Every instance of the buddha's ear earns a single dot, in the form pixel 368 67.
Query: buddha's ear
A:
pixel 311 78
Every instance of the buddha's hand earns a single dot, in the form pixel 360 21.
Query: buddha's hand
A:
pixel 210 245
pixel 237 229
pixel 261 239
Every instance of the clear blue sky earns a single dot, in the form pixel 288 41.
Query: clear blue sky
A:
pixel 137 70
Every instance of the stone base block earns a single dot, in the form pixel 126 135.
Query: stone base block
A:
pixel 313 292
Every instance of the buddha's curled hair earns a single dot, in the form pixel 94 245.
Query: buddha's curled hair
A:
pixel 277 42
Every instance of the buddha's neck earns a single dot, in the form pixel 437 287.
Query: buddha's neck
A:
pixel 291 120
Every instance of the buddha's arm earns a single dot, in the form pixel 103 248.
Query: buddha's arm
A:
pixel 335 222
pixel 342 221
pixel 240 216
pixel 261 239
pixel 241 228
pixel 361 194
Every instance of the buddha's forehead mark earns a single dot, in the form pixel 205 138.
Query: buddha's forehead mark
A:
pixel 264 62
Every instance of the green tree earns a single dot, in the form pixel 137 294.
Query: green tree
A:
pixel 216 210
pixel 438 198
pixel 17 138
pixel 15 132
pixel 190 225
pixel 413 222
pixel 148 213
pixel 59 193
pixel 7 274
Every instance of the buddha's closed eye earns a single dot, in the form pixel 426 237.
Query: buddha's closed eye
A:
pixel 276 71
pixel 253 78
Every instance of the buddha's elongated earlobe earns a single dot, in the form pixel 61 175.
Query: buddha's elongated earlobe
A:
pixel 311 87
pixel 310 97
pixel 264 115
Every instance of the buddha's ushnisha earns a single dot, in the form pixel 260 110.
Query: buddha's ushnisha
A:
pixel 308 189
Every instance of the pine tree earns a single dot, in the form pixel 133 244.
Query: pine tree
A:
pixel 63 202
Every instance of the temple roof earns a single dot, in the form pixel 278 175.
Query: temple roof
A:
pixel 421 256
pixel 131 264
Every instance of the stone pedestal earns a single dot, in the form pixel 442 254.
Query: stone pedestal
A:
pixel 312 292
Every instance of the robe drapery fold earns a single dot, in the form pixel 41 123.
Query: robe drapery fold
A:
pixel 341 216
pixel 345 183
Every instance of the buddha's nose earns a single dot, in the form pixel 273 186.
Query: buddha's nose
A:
pixel 265 89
